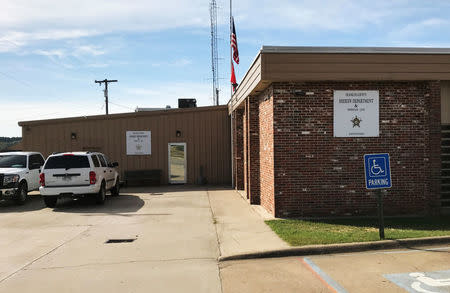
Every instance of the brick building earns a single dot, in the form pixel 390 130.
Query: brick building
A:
pixel 289 157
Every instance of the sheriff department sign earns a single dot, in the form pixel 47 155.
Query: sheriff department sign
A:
pixel 356 113
pixel 139 143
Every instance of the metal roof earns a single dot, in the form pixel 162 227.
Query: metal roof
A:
pixel 353 50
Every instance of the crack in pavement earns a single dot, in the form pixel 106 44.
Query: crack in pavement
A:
pixel 214 222
pixel 123 262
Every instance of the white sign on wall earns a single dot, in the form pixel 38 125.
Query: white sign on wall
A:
pixel 139 143
pixel 356 113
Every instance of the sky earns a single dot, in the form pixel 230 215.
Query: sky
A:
pixel 52 51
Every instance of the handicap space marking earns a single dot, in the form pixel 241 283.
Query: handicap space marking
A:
pixel 423 282
pixel 331 284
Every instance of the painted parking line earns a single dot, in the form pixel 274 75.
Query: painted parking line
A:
pixel 422 282
pixel 331 284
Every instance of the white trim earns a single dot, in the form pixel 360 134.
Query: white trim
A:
pixel 185 162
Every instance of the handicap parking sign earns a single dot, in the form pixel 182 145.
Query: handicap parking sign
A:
pixel 377 170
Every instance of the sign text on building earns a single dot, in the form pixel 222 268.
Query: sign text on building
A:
pixel 139 143
pixel 356 113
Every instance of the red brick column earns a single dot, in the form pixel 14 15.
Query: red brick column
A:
pixel 433 148
pixel 238 151
pixel 253 150
pixel 245 147
pixel 266 151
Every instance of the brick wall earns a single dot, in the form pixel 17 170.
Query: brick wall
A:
pixel 238 139
pixel 266 168
pixel 245 146
pixel 253 150
pixel 316 174
pixel 434 161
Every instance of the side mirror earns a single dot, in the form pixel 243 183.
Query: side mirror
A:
pixel 115 164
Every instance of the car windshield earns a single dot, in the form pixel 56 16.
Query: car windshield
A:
pixel 13 161
pixel 67 162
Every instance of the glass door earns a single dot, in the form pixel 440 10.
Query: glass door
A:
pixel 177 162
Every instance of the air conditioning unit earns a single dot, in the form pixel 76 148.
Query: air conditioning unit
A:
pixel 187 103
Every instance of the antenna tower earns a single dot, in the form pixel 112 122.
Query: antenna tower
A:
pixel 214 54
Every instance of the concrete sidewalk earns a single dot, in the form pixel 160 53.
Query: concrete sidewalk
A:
pixel 242 233
pixel 240 228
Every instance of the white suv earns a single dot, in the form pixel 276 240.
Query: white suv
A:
pixel 77 174
pixel 19 174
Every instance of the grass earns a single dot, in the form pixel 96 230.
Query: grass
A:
pixel 306 232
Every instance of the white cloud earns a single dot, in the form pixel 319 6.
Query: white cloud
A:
pixel 51 53
pixel 14 40
pixel 424 27
pixel 23 19
pixel 97 65
pixel 343 15
pixel 88 50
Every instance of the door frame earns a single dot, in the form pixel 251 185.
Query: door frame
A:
pixel 185 162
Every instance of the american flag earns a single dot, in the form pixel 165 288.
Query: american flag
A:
pixel 234 42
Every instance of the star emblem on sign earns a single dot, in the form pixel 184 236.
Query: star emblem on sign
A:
pixel 356 121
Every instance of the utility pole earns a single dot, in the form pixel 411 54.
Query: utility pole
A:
pixel 106 90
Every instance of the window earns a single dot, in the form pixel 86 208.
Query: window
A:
pixel 67 162
pixel 35 162
pixel 95 160
pixel 102 160
pixel 13 161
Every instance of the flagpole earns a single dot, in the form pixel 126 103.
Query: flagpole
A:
pixel 232 122
pixel 231 49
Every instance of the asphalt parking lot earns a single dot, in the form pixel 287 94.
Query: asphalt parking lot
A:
pixel 65 249
pixel 423 270
pixel 169 239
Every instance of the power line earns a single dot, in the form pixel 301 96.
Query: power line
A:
pixel 15 79
pixel 119 105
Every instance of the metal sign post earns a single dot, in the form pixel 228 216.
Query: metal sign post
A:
pixel 380 214
pixel 378 176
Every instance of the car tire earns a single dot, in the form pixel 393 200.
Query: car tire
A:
pixel 50 201
pixel 101 195
pixel 116 189
pixel 21 193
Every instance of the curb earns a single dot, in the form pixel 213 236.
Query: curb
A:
pixel 340 248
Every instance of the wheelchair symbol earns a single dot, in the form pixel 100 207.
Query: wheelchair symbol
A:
pixel 376 169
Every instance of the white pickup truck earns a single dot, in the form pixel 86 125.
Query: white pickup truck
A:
pixel 19 174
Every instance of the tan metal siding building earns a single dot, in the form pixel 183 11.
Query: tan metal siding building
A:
pixel 205 130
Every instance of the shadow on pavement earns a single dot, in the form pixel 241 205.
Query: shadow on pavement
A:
pixel 160 190
pixel 33 203
pixel 124 203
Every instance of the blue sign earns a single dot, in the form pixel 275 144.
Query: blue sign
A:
pixel 378 171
